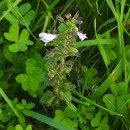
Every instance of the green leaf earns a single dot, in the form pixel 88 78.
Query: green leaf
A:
pixel 104 123
pixel 59 115
pixel 71 106
pixel 121 105
pixel 12 18
pixel 67 122
pixel 24 102
pixel 28 18
pixel 14 47
pixel 23 9
pixel 119 88
pixel 89 115
pixel 30 105
pixel 18 127
pixel 26 112
pixel 69 112
pixel 23 79
pixel 110 102
pixel 20 106
pixel 20 42
pixel 35 72
pixel 29 127
pixel 28 82
pixel 84 127
pixel 62 27
pixel 13 33
pixel 22 15
pixel 24 35
pixel 10 56
pixel 49 121
pixel 96 120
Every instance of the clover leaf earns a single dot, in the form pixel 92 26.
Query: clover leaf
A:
pixel 32 78
pixel 22 14
pixel 20 41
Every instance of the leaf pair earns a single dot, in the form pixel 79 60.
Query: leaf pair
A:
pixel 30 81
pixel 20 41
pixel 100 122
pixel 22 14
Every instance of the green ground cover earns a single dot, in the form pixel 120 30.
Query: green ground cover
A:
pixel 64 64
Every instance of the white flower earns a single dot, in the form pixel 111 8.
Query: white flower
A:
pixel 81 36
pixel 47 37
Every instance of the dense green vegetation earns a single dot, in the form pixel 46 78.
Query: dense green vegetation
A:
pixel 74 77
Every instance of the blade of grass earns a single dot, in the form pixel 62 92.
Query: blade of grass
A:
pixel 109 2
pixel 102 51
pixel 8 102
pixel 38 23
pixel 49 121
pixel 91 102
pixel 106 84
pixel 94 42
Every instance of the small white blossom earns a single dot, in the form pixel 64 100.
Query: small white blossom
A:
pixel 47 37
pixel 81 36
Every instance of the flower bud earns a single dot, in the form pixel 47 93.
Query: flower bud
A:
pixel 68 16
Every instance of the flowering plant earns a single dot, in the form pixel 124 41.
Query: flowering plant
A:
pixel 59 65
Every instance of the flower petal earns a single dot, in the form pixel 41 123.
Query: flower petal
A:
pixel 47 37
pixel 81 36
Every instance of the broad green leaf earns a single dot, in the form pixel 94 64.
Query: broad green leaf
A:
pixel 21 118
pixel 59 115
pixel 35 72
pixel 22 15
pixel 20 42
pixel 71 106
pixel 33 84
pixel 20 106
pixel 121 105
pixel 84 127
pixel 110 102
pixel 24 102
pixel 89 115
pixel 67 122
pixel 104 123
pixel 24 35
pixel 12 18
pixel 26 112
pixel 13 33
pixel 18 127
pixel 24 8
pixel 119 88
pixel 114 89
pixel 14 47
pixel 28 18
pixel 29 127
pixel 69 112
pixel 30 105
pixel 96 120
pixel 62 27
pixel 22 46
pixel 23 79
pixel 10 56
